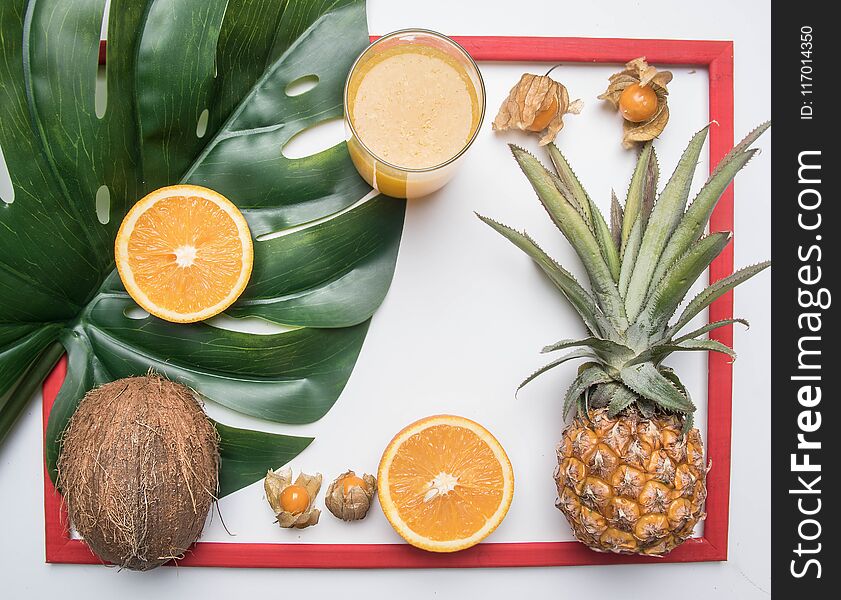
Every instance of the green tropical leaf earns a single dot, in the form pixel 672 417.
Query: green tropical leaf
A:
pixel 245 455
pixel 13 401
pixel 325 245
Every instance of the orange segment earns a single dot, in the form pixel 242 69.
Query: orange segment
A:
pixel 184 253
pixel 445 483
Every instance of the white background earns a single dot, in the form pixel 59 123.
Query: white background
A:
pixel 463 323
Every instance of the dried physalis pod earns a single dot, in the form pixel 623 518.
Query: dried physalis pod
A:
pixel 349 496
pixel 640 94
pixel 538 104
pixel 291 502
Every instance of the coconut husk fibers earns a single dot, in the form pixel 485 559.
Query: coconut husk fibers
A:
pixel 139 470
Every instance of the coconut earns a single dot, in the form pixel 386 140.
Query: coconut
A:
pixel 138 470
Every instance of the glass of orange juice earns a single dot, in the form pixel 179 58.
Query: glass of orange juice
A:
pixel 414 102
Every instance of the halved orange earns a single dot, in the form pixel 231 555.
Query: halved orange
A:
pixel 445 483
pixel 184 253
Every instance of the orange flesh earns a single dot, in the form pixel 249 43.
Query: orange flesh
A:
pixel 437 458
pixel 185 253
pixel 294 499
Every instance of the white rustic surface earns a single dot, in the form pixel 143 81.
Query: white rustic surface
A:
pixel 465 349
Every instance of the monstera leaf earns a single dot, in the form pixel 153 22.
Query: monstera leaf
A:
pixel 325 244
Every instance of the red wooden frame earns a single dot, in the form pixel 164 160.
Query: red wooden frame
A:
pixel 717 57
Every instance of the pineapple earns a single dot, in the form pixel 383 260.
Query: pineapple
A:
pixel 631 475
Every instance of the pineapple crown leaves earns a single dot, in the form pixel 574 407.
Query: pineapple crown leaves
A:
pixel 617 216
pixel 647 381
pixel 712 293
pixel 575 229
pixel 555 363
pixel 689 418
pixel 663 220
pixel 742 146
pixel 675 284
pixel 641 194
pixel 640 269
pixel 709 327
pixel 698 214
pixel 589 377
pixel 621 398
pixel 581 300
pixel 573 190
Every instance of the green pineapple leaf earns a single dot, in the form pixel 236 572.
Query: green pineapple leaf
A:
pixel 668 293
pixel 582 406
pixel 689 418
pixel 647 381
pixel 691 226
pixel 709 327
pixel 617 218
pixel 575 229
pixel 604 236
pixel 555 363
pixel 658 353
pixel 662 222
pixel 578 297
pixel 588 377
pixel 622 398
pixel 609 352
pixel 713 292
pixel 642 182
pixel 688 423
pixel 648 409
pixel 629 257
pixel 570 185
pixel 705 345
pixel 742 146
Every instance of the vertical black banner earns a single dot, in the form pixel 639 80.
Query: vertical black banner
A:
pixel 806 264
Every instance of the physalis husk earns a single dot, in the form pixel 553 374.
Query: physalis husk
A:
pixel 292 502
pixel 537 104
pixel 639 73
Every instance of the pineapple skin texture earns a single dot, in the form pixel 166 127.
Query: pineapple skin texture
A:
pixel 631 484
